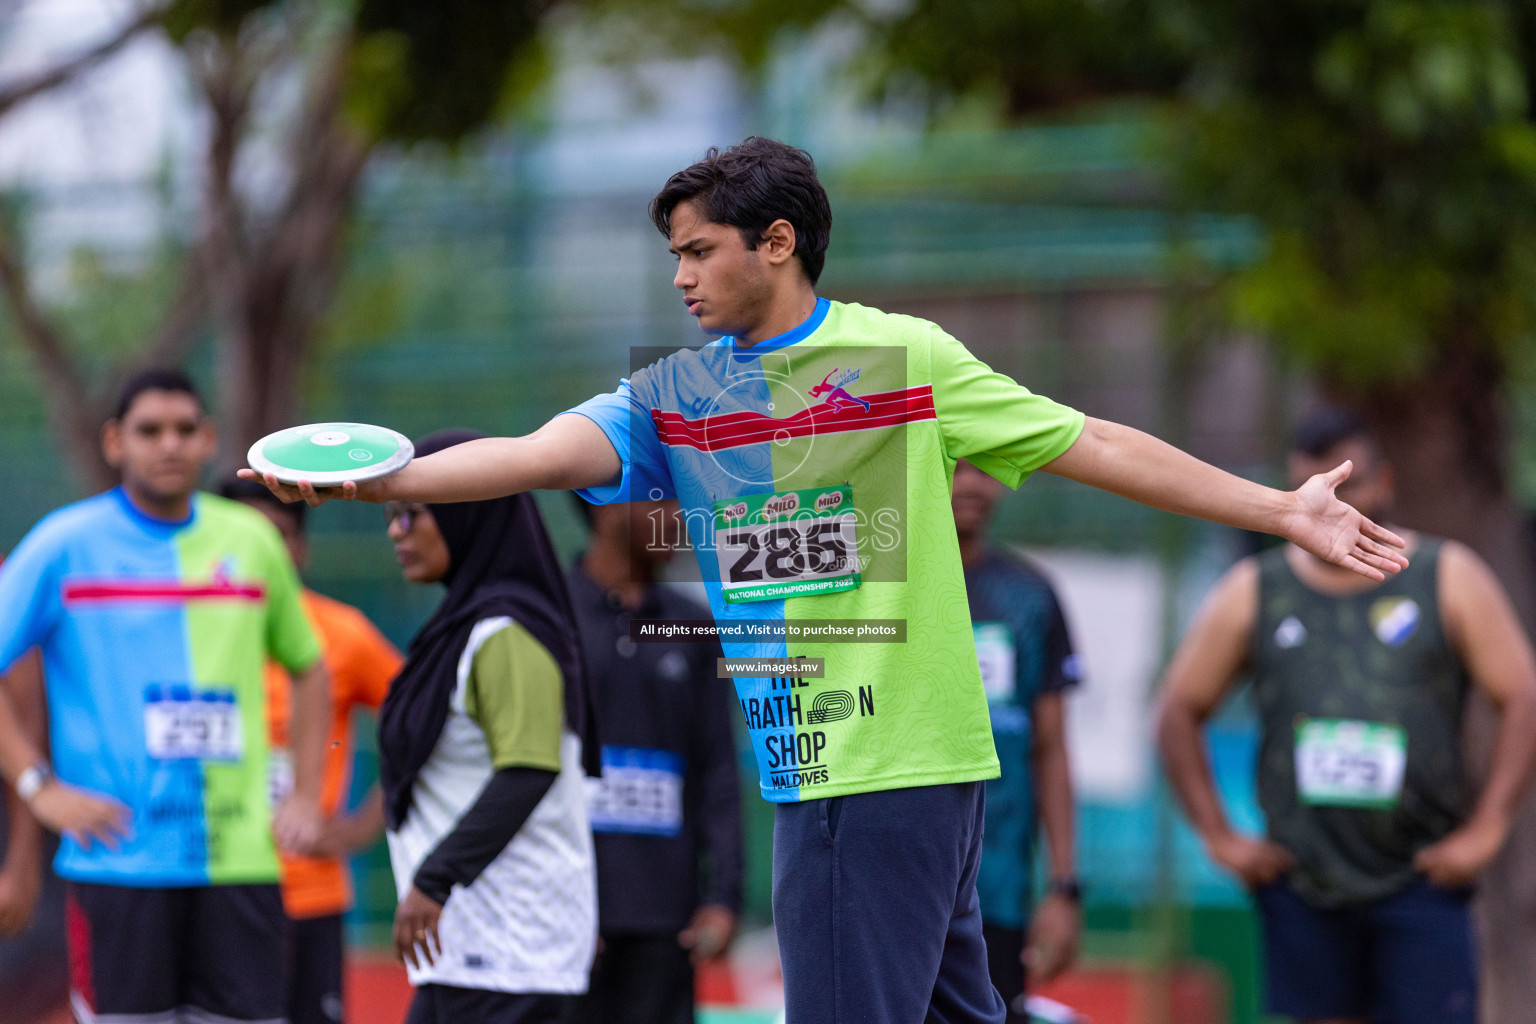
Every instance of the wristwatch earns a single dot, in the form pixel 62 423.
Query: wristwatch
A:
pixel 1069 888
pixel 32 779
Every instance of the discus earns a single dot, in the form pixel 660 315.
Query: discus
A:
pixel 330 454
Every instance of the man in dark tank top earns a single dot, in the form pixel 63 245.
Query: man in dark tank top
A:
pixel 1374 836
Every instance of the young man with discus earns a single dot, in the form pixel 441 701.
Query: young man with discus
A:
pixel 811 447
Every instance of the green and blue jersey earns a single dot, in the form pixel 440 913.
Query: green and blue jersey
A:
pixel 814 471
pixel 154 636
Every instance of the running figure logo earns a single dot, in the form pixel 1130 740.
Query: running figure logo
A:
pixel 837 398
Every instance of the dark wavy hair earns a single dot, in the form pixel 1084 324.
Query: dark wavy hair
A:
pixel 750 186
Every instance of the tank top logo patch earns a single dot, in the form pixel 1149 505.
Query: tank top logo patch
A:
pixel 1395 619
pixel 1290 633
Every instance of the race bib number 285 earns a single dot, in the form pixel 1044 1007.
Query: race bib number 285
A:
pixel 793 544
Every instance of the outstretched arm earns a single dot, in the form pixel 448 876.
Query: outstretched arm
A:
pixel 1138 466
pixel 568 452
pixel 1485 631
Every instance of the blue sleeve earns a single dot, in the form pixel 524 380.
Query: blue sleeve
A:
pixel 29 595
pixel 627 422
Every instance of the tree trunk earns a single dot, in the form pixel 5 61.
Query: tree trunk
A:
pixel 279 282
pixel 1448 438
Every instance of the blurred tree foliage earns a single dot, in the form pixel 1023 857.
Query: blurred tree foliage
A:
pixel 308 90
pixel 1388 146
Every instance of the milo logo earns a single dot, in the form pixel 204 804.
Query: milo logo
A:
pixel 781 506
pixel 831 499
pixel 736 511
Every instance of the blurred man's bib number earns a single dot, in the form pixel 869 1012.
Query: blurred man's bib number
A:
pixel 997 659
pixel 640 792
pixel 1343 763
pixel 790 544
pixel 183 725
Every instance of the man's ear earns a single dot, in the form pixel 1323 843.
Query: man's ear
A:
pixel 778 242
pixel 112 443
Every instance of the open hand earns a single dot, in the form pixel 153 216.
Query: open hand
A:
pixel 1332 530
pixel 415 932
pixel 80 814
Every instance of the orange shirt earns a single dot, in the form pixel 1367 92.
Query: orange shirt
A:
pixel 361 663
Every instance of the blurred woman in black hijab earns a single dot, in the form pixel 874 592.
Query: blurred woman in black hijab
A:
pixel 483 743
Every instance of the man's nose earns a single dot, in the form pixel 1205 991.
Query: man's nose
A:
pixel 684 278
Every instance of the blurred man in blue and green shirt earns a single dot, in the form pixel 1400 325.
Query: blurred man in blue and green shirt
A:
pixel 156 608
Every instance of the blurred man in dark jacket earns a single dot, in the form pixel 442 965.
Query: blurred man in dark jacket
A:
pixel 666 815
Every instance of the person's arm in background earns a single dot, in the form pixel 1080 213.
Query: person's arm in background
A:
pixel 297 821
pixel 21 876
pixel 1202 673
pixel 1483 629
pixel 1055 927
pixel 478 838
pixel 364 663
pixel 82 815
pixel 291 641
pixel 713 927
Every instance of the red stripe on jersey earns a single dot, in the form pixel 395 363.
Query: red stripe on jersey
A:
pixel 102 591
pixel 732 430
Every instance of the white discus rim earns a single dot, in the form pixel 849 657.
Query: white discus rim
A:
pixel 258 461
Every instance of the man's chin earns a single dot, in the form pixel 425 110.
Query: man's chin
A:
pixel 168 491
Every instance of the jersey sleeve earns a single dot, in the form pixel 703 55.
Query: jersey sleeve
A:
pixel 625 418
pixel 516 694
pixel 291 639
pixel 363 663
pixel 30 602
pixel 999 425
pixel 1062 667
